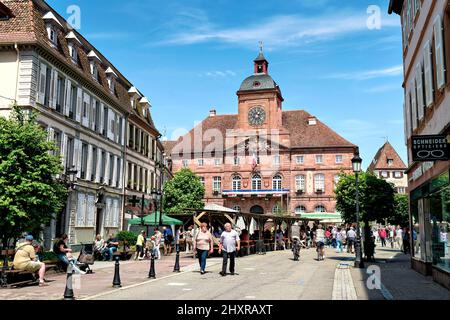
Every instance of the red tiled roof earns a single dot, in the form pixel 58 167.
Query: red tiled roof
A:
pixel 302 135
pixel 28 27
pixel 380 161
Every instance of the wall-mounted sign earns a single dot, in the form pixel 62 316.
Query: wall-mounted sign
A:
pixel 430 148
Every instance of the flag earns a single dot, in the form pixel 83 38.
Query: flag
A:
pixel 254 161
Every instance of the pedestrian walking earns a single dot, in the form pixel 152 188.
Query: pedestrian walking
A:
pixel 382 234
pixel 168 238
pixel 399 238
pixel 351 237
pixel 158 237
pixel 338 240
pixel 406 241
pixel 204 245
pixel 229 243
pixel 140 246
pixel 189 236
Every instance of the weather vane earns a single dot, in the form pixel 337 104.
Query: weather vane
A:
pixel 260 46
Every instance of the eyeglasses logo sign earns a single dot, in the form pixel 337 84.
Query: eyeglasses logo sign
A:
pixel 430 148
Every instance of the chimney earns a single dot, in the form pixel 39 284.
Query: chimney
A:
pixel 212 113
pixel 312 121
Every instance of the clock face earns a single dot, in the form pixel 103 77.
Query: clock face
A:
pixel 256 116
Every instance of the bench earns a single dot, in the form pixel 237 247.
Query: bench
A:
pixel 9 277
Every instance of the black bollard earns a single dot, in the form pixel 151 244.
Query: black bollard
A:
pixel 68 292
pixel 176 268
pixel 116 281
pixel 151 273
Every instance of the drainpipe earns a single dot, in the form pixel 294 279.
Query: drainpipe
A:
pixel 124 168
pixel 16 47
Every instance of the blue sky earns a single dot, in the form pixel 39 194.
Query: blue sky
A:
pixel 190 56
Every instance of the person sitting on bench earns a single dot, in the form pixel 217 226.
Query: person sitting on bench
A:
pixel 25 260
pixel 65 254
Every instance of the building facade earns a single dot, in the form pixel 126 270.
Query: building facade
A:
pixel 84 103
pixel 426 48
pixel 264 159
pixel 388 165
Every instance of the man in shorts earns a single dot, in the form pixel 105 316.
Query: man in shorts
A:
pixel 25 259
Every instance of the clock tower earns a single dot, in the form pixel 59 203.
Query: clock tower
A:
pixel 259 99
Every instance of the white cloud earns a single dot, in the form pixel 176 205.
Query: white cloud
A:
pixel 277 31
pixel 384 88
pixel 368 74
pixel 358 129
pixel 215 74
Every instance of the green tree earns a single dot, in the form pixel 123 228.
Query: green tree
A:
pixel 184 191
pixel 30 196
pixel 376 200
pixel 400 214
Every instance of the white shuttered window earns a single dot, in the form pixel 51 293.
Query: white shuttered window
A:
pixel 439 49
pixel 428 71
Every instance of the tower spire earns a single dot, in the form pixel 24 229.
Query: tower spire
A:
pixel 261 64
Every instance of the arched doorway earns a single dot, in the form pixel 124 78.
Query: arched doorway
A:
pixel 257 209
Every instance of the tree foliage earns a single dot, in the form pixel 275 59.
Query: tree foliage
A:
pixel 376 197
pixel 30 196
pixel 184 191
pixel 400 215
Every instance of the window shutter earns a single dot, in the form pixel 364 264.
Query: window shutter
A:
pixel 108 212
pixel 77 155
pixel 110 128
pixel 102 117
pixel 115 169
pixel 106 175
pixel 63 149
pixel 79 104
pixel 85 119
pixel 439 49
pixel 89 163
pixel 419 83
pixel 81 209
pixel 93 113
pixel 55 89
pixel 50 134
pixel 123 131
pixel 99 165
pixel 90 211
pixel 67 98
pixel 408 115
pixel 413 105
pixel 116 213
pixel 429 99
pixel 42 82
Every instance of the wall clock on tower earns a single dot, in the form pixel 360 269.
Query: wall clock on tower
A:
pixel 256 116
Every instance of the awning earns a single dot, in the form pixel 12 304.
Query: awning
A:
pixel 153 220
pixel 322 216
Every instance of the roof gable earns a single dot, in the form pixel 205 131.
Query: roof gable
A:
pixel 385 155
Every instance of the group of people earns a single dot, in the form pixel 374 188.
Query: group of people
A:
pixel 397 237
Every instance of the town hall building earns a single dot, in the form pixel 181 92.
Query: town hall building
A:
pixel 264 159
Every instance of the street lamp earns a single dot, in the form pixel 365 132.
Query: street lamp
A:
pixel 70 177
pixel 356 165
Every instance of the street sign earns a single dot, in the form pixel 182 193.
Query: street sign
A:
pixel 430 148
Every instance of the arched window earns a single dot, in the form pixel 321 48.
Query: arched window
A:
pixel 237 182
pixel 276 182
pixel 300 183
pixel 319 182
pixel 256 182
pixel 237 208
pixel 257 209
pixel 300 210
pixel 276 209
pixel 320 208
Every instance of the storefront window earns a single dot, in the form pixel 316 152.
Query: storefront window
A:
pixel 440 218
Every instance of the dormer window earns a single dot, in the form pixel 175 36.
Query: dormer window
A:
pixel 94 70
pixel 390 162
pixel 51 24
pixel 111 76
pixel 52 35
pixel 93 58
pixel 73 53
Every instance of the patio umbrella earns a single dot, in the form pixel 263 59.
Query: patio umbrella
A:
pixel 150 220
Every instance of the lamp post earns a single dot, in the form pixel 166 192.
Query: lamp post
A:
pixel 356 165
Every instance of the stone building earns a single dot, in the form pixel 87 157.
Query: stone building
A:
pixel 264 159
pixel 85 103
pixel 426 59
pixel 388 165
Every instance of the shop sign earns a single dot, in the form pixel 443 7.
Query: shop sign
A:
pixel 430 148
pixel 421 170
